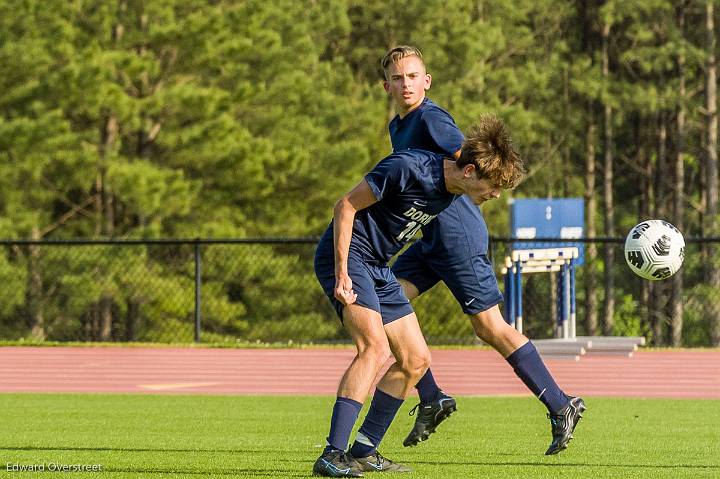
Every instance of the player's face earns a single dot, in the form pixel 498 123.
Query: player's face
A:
pixel 481 190
pixel 406 83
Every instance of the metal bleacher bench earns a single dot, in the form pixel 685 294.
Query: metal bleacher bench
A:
pixel 573 348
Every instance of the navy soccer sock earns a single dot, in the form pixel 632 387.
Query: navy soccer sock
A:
pixel 427 388
pixel 382 412
pixel 530 368
pixel 345 413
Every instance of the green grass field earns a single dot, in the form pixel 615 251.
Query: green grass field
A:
pixel 252 436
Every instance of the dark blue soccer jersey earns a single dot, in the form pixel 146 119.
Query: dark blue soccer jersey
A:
pixel 410 189
pixel 460 229
pixel 428 127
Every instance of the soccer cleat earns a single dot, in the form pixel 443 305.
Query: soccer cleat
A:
pixel 563 424
pixel 430 415
pixel 375 462
pixel 336 464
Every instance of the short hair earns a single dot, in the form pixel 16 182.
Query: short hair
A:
pixel 395 54
pixel 488 146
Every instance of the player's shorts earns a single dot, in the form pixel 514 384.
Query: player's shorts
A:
pixel 375 285
pixel 470 279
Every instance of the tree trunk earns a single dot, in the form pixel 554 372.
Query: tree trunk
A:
pixel 609 217
pixel 661 170
pixel 660 291
pixel 109 136
pixel 95 321
pixel 34 292
pixel 711 169
pixel 591 301
pixel 644 209
pixel 589 45
pixel 676 303
pixel 131 320
pixel 566 167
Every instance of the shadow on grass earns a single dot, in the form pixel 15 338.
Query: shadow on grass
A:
pixel 213 472
pixel 571 464
pixel 141 449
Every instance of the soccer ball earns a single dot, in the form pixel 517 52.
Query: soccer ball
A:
pixel 654 249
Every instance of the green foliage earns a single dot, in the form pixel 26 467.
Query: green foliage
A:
pixel 627 321
pixel 128 119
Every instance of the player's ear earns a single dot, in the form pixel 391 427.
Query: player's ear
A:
pixel 469 171
pixel 386 86
pixel 428 81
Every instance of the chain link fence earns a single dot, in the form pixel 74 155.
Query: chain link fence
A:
pixel 247 291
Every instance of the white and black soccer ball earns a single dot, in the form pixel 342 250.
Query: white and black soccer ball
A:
pixel 654 249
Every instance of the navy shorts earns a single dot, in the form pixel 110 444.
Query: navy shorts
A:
pixel 470 279
pixel 375 285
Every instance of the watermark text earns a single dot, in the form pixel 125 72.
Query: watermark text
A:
pixel 52 467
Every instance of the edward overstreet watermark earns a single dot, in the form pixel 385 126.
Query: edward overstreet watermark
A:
pixel 52 467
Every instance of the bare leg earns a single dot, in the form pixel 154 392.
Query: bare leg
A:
pixel 366 329
pixel 427 387
pixel 490 326
pixel 412 356
pixel 409 289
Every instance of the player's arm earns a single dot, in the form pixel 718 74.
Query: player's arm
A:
pixel 357 199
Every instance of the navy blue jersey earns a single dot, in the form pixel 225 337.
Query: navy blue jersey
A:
pixel 428 127
pixel 410 189
pixel 460 230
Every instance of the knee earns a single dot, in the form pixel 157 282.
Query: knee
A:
pixel 415 365
pixel 489 326
pixel 377 352
pixel 482 327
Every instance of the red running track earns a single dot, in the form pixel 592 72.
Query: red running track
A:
pixel 650 374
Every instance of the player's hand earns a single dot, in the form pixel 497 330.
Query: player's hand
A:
pixel 343 289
